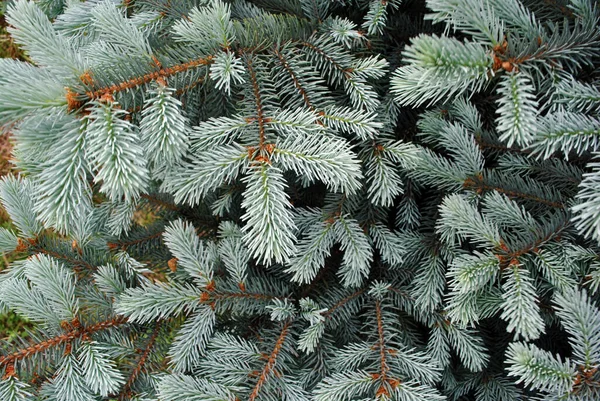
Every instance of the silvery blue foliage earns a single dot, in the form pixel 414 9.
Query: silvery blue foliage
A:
pixel 302 200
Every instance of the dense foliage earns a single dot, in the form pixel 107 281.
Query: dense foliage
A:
pixel 350 200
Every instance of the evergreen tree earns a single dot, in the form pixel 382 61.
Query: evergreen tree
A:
pixel 351 200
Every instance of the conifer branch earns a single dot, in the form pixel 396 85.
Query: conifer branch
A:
pixel 401 293
pixel 209 297
pixel 147 78
pixel 270 366
pixel 126 244
pixel 57 255
pixel 343 302
pixel 77 332
pixel 382 348
pixel 259 104
pixel 295 79
pixel 483 145
pixel 507 256
pixel 290 157
pixel 327 57
pixel 126 391
pixel 477 183
pixel 189 87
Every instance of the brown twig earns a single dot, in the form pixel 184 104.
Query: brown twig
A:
pixel 327 57
pixel 77 332
pixel 295 79
pixel 126 244
pixel 270 362
pixel 343 302
pixel 479 185
pixel 382 350
pixel 259 105
pixel 67 258
pixel 511 256
pixel 144 79
pixel 189 87
pixel 210 297
pixel 126 391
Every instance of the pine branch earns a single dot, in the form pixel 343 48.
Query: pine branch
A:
pixel 123 245
pixel 270 365
pixel 259 104
pixel 278 127
pixel 506 255
pixel 503 148
pixel 66 338
pixel 147 78
pixel 517 111
pixel 384 368
pixel 77 262
pixel 268 232
pixel 189 87
pixel 344 71
pixel 209 296
pixel 342 302
pixel 126 390
pixel 478 184
pixel 295 79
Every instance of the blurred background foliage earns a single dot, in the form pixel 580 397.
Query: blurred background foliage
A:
pixel 7 46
